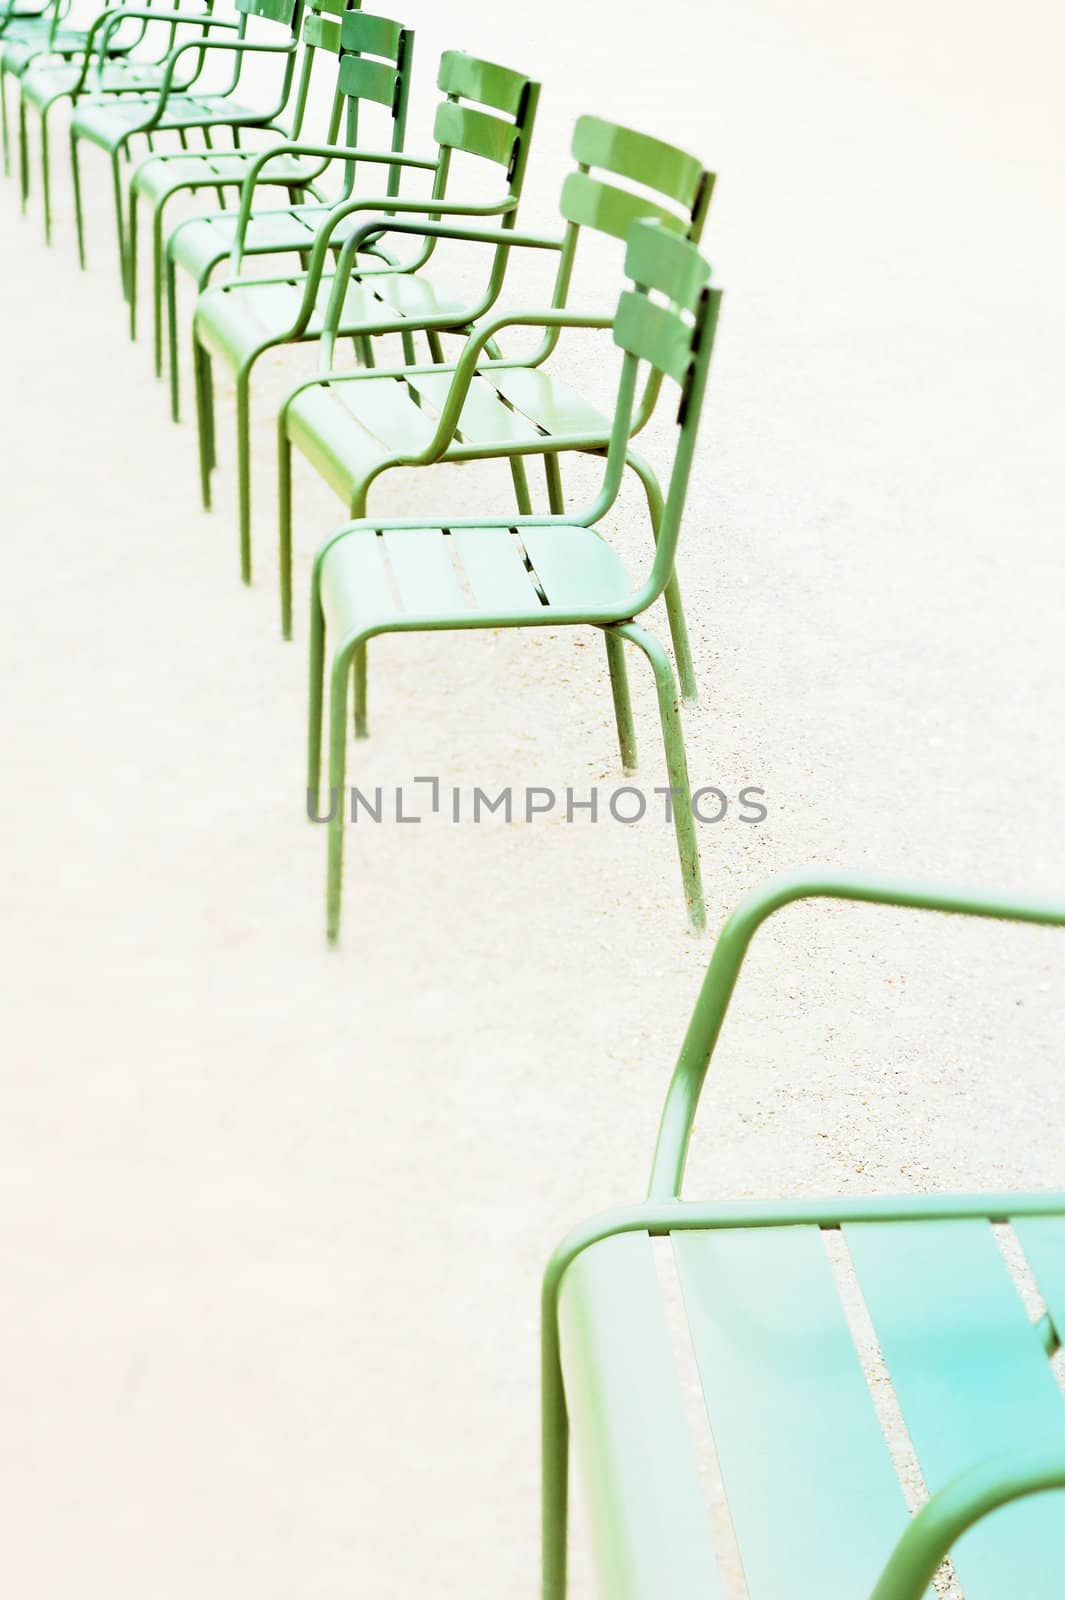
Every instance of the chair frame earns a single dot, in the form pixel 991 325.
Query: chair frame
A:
pixel 586 202
pixel 319 34
pixel 462 78
pixel 286 14
pixel 117 71
pixel 658 259
pixel 928 1538
pixel 365 36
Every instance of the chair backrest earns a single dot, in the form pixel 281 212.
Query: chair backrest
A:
pixel 675 189
pixel 320 36
pixel 488 111
pixel 286 14
pixel 375 67
pixel 667 320
pixel 733 942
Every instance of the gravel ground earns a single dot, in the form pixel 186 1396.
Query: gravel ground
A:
pixel 277 1213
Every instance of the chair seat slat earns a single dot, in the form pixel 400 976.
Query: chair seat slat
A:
pixel 815 1500
pixel 649 1523
pixel 973 1382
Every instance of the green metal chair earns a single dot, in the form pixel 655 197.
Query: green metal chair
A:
pixel 380 576
pixel 64 67
pixel 32 37
pixel 354 426
pixel 376 59
pixel 487 112
pixel 163 175
pixel 815 1502
pixel 111 122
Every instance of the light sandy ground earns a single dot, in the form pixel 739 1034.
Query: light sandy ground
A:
pixel 275 1215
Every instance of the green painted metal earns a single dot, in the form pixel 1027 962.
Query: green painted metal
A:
pixel 239 320
pixel 613 1333
pixel 794 1428
pixel 376 577
pixel 52 62
pixel 162 176
pixel 112 123
pixel 814 1497
pixel 201 244
pixel 354 427
pixel 929 1290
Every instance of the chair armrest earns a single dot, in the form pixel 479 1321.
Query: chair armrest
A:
pixel 361 236
pixel 943 1519
pixel 170 60
pixel 733 942
pixel 323 152
pixel 373 228
pixel 463 372
pixel 499 236
pixel 109 20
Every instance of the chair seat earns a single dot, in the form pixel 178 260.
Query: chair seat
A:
pixel 200 242
pixel 109 120
pixel 235 320
pixel 45 83
pixel 19 53
pixel 376 579
pixel 348 427
pixel 815 1500
pixel 161 175
pixel 17 37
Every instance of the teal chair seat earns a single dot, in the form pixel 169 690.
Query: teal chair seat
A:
pixel 814 1497
pixel 384 580
pixel 349 428
pixel 814 1427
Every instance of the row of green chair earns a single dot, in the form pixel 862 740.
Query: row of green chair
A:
pixel 814 1498
pixel 510 568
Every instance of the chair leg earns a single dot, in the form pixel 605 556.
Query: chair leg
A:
pixel 75 178
pixel 678 627
pixel 554 1462
pixel 678 630
pixel 314 700
pixel 3 122
pixel 244 471
pixel 521 486
pixel 201 370
pixel 615 650
pixel 619 686
pixel 172 338
pixel 676 766
pixel 284 522
pixel 436 349
pixel 23 153
pixel 120 225
pixel 157 288
pixel 131 261
pixel 409 358
pixel 360 671
pixel 338 738
pixel 553 473
pixel 46 176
